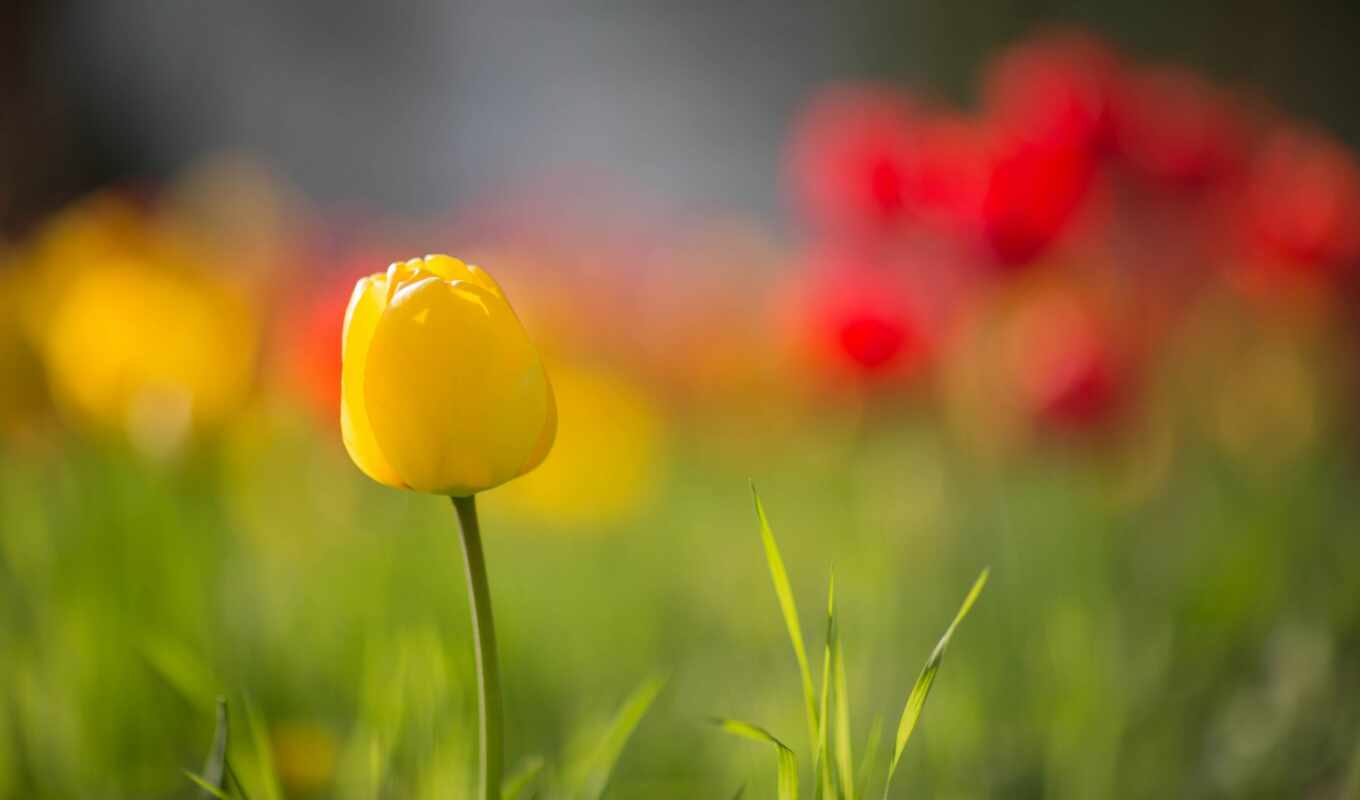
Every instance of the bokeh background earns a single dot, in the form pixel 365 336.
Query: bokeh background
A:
pixel 1065 289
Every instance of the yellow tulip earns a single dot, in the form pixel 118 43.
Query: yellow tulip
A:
pixel 150 350
pixel 441 389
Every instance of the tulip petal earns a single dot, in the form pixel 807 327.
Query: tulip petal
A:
pixel 365 309
pixel 546 436
pixel 457 396
pixel 453 269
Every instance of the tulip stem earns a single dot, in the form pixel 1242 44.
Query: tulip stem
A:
pixel 490 715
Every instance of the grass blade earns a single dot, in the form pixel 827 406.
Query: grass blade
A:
pixel 921 690
pixel 266 775
pixel 600 765
pixel 787 776
pixel 823 780
pixel 208 788
pixel 841 700
pixel 521 778
pixel 869 765
pixel 215 768
pixel 789 609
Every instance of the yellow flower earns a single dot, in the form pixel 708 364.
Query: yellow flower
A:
pixel 441 389
pixel 149 349
pixel 91 231
pixel 607 460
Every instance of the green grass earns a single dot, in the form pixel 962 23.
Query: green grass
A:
pixel 833 775
pixel 1199 639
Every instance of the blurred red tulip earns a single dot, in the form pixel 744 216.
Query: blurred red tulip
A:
pixel 1178 129
pixel 310 347
pixel 1302 204
pixel 952 168
pixel 1066 365
pixel 1056 91
pixel 861 319
pixel 1033 192
pixel 309 330
pixel 1050 105
pixel 851 160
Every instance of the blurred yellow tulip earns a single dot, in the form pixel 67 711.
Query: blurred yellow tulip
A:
pixel 441 389
pixel 148 348
pixel 90 231
pixel 607 459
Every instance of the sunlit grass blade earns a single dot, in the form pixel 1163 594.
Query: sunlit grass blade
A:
pixel 869 764
pixel 208 788
pixel 823 780
pixel 787 606
pixel 215 768
pixel 787 776
pixel 921 690
pixel 594 774
pixel 521 778
pixel 841 701
pixel 266 775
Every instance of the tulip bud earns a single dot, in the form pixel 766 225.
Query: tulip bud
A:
pixel 441 389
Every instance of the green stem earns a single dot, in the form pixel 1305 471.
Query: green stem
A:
pixel 491 759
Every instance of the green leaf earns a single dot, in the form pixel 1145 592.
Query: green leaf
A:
pixel 787 776
pixel 594 773
pixel 265 773
pixel 869 764
pixel 822 777
pixel 841 700
pixel 521 778
pixel 208 788
pixel 790 611
pixel 215 768
pixel 921 690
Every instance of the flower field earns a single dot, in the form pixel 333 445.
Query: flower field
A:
pixel 1095 337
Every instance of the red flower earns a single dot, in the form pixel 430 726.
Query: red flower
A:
pixel 1014 195
pixel 1302 204
pixel 1179 129
pixel 310 348
pixel 1050 104
pixel 852 160
pixel 952 168
pixel 1033 191
pixel 1067 368
pixel 1055 91
pixel 862 319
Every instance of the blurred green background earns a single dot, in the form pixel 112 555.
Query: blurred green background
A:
pixel 1166 496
